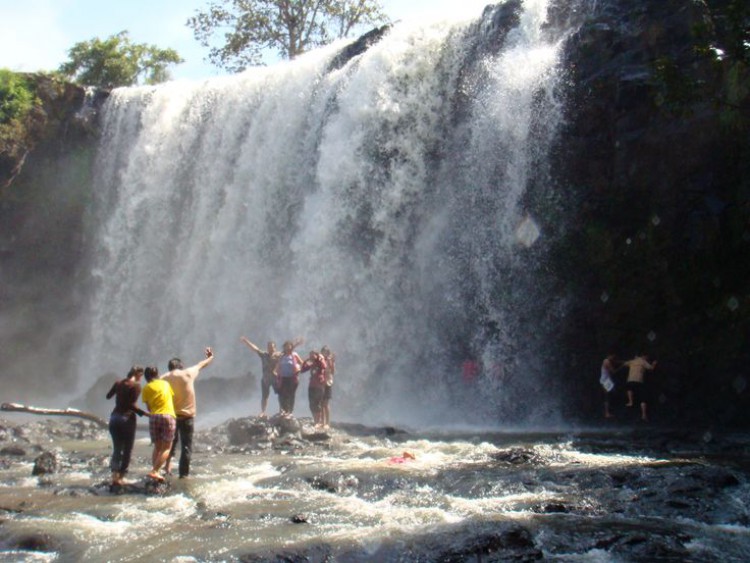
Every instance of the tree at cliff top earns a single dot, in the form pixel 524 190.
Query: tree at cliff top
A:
pixel 116 61
pixel 17 100
pixel 290 27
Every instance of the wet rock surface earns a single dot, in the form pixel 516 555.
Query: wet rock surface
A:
pixel 45 464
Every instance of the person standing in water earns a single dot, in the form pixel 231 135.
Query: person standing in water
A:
pixel 157 394
pixel 330 372
pixel 637 392
pixel 183 383
pixel 316 365
pixel 607 381
pixel 287 369
pixel 268 360
pixel 122 422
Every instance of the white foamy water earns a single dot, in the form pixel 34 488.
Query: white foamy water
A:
pixel 373 206
pixel 359 497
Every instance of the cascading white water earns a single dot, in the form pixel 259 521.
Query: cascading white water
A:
pixel 376 208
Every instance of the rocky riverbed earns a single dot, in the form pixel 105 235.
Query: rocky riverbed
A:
pixel 280 490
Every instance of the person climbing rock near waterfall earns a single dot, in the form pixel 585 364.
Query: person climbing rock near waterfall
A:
pixel 330 372
pixel 122 422
pixel 316 365
pixel 287 369
pixel 268 360
pixel 636 386
pixel 607 381
pixel 157 394
pixel 183 383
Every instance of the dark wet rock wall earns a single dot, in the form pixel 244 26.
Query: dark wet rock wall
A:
pixel 46 188
pixel 654 230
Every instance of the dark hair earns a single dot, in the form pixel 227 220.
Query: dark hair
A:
pixel 135 370
pixel 151 373
pixel 174 363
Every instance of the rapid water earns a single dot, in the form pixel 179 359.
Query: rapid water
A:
pixel 377 207
pixel 614 496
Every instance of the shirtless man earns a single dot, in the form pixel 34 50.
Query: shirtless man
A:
pixel 183 383
pixel 635 383
pixel 268 360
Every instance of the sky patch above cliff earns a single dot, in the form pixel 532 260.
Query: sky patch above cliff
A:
pixel 36 34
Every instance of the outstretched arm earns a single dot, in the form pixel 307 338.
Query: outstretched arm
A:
pixel 250 345
pixel 209 358
pixel 296 342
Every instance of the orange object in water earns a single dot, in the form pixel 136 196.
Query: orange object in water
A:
pixel 402 458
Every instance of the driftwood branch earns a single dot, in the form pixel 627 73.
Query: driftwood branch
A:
pixel 15 407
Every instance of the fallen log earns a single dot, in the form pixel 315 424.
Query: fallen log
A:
pixel 15 407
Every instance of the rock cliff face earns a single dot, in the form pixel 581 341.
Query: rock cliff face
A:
pixel 653 230
pixel 42 204
pixel 654 167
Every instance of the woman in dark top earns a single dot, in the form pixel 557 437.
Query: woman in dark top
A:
pixel 122 422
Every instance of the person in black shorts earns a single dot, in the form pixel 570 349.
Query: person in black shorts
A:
pixel 268 360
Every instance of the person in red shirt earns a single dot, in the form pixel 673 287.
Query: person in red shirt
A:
pixel 316 365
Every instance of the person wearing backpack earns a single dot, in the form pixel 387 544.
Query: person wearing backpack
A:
pixel 287 370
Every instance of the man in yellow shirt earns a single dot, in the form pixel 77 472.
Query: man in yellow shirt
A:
pixel 157 394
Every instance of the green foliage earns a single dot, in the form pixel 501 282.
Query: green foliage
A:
pixel 722 49
pixel 16 97
pixel 116 61
pixel 290 27
pixel 17 101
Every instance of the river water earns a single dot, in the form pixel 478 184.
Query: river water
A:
pixel 616 494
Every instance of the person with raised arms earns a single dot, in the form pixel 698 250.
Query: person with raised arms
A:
pixel 268 360
pixel 183 383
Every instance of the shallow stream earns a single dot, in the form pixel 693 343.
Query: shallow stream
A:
pixel 617 494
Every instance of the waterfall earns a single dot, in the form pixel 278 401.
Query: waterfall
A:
pixel 375 206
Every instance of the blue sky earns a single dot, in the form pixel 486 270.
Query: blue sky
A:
pixel 36 34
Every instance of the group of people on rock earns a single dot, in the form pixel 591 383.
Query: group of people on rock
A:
pixel 171 412
pixel 281 371
pixel 171 403
pixel 637 386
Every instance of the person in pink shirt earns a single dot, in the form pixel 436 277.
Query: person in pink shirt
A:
pixel 287 370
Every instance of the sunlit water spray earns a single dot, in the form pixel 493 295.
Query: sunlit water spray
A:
pixel 376 207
